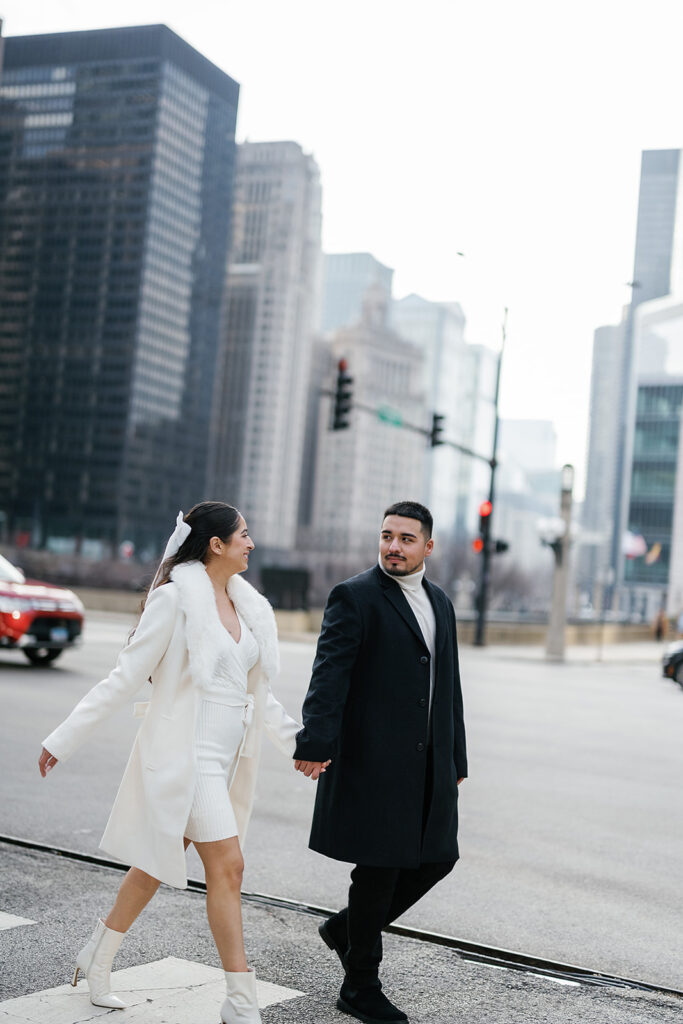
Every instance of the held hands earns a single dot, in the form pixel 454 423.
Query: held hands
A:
pixel 311 769
pixel 46 762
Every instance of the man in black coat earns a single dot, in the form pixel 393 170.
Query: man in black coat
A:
pixel 384 707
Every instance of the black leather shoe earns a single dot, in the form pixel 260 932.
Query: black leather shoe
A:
pixel 369 1005
pixel 332 939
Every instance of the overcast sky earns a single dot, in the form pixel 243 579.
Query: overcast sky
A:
pixel 509 131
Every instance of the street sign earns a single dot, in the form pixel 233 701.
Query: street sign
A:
pixel 386 414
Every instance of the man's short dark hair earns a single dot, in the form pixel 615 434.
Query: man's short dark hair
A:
pixel 412 510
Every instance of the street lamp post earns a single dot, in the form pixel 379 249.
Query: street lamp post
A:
pixel 605 578
pixel 555 645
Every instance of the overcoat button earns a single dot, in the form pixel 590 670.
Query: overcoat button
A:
pixel 422 702
pixel 420 746
pixel 424 659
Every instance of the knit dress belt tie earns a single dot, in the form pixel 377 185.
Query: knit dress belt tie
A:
pixel 247 719
pixel 238 700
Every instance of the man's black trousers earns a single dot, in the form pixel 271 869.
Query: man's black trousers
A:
pixel 377 896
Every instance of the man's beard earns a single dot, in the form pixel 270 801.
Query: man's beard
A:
pixel 400 569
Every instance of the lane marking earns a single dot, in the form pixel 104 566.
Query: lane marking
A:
pixel 11 921
pixel 168 989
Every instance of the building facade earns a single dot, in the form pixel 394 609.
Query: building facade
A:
pixel 347 277
pixel 655 502
pixel 459 386
pixel 657 272
pixel 361 470
pixel 527 489
pixel 653 492
pixel 272 307
pixel 599 514
pixel 116 174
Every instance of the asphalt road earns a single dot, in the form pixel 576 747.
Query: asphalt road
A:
pixel 571 821
pixel 429 982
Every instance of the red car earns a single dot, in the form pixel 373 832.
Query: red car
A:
pixel 37 618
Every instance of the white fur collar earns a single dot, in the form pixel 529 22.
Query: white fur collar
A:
pixel 198 603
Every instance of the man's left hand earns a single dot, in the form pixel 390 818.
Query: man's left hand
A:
pixel 461 780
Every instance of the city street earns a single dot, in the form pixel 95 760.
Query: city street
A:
pixel 167 969
pixel 571 823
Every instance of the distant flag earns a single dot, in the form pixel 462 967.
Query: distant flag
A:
pixel 633 545
pixel 653 554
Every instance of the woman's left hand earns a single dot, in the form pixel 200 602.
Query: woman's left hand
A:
pixel 46 762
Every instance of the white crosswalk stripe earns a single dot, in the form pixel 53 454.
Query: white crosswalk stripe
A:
pixel 165 990
pixel 10 921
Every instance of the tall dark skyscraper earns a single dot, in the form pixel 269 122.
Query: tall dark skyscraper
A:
pixel 116 172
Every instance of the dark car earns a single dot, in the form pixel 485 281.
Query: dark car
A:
pixel 672 662
pixel 40 619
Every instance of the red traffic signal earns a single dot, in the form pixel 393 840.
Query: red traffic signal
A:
pixel 478 545
pixel 343 397
pixel 485 509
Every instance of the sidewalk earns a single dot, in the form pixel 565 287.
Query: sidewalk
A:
pixel 647 653
pixel 167 969
pixel 635 652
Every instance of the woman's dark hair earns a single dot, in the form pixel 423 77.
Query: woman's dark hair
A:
pixel 207 519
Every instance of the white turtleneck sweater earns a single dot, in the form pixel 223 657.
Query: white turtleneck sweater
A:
pixel 416 596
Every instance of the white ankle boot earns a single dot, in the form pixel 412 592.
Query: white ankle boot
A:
pixel 240 1006
pixel 95 960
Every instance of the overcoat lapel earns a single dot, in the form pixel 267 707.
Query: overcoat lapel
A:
pixel 395 596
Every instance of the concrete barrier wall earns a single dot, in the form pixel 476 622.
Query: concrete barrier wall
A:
pixel 294 623
pixel 582 634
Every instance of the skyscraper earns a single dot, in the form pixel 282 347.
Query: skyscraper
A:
pixel 116 168
pixel 599 508
pixel 359 471
pixel 347 276
pixel 655 509
pixel 657 271
pixel 438 330
pixel 272 304
pixel 459 384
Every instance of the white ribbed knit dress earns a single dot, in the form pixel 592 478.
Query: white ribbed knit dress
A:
pixel 224 711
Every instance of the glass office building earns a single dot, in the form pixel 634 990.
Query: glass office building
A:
pixel 116 174
pixel 653 479
pixel 656 273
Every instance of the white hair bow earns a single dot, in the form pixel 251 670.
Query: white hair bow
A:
pixel 174 543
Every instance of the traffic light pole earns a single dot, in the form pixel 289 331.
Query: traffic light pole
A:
pixel 485 573
pixel 402 425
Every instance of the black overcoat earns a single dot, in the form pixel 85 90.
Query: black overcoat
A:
pixel 367 709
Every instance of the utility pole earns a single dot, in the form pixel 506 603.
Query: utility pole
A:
pixel 555 643
pixel 485 572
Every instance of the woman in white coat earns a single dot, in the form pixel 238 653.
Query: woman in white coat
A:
pixel 207 642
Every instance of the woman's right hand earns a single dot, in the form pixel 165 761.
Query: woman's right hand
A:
pixel 312 769
pixel 46 762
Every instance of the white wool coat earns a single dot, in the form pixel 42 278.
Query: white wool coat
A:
pixel 176 643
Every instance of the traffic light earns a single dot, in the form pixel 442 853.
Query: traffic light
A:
pixel 501 546
pixel 343 397
pixel 485 510
pixel 437 430
pixel 481 543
